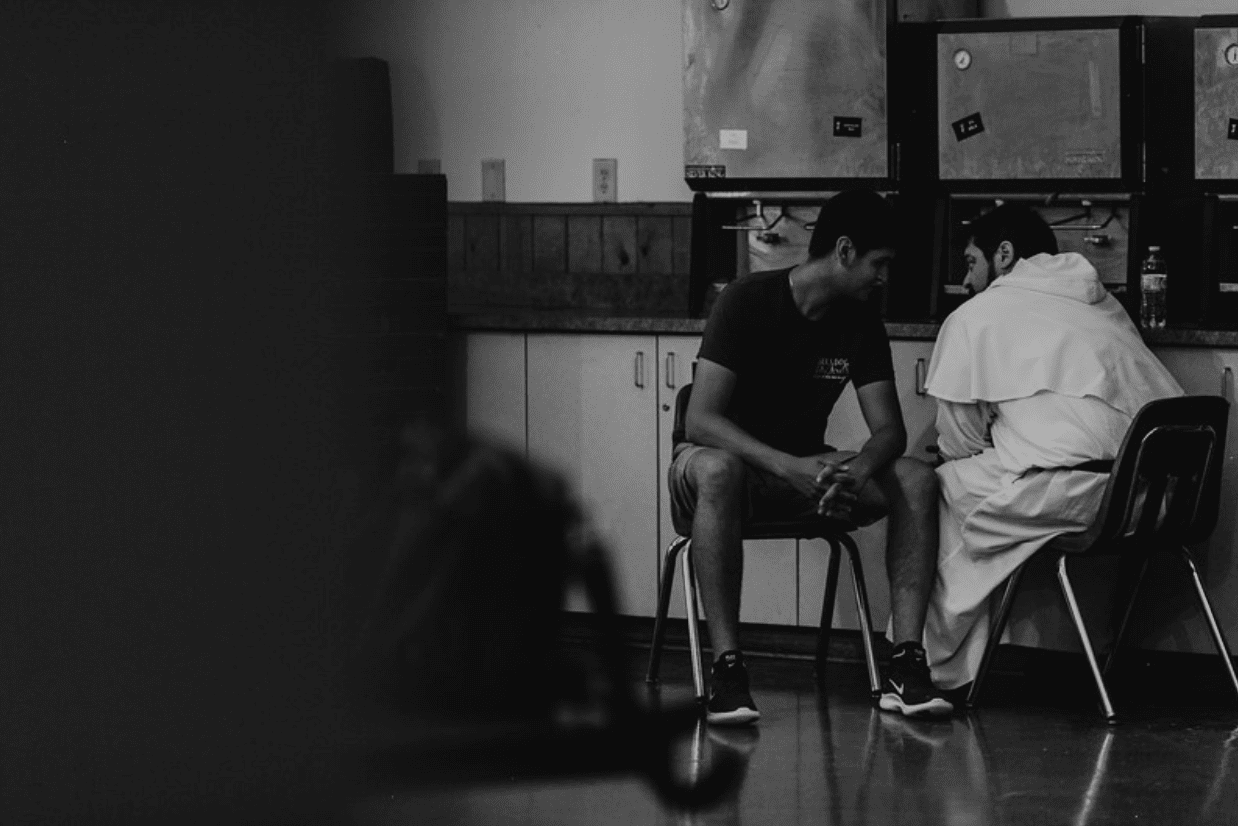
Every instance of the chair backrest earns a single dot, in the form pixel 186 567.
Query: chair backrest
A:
pixel 1166 480
pixel 679 429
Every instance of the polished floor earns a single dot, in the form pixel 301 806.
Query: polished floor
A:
pixel 827 756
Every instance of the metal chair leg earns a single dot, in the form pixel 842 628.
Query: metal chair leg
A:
pixel 1126 615
pixel 1217 635
pixel 827 606
pixel 995 633
pixel 694 632
pixel 666 585
pixel 1069 592
pixel 861 604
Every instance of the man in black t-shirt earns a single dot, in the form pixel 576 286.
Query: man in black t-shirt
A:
pixel 778 349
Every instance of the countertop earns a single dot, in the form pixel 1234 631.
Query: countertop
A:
pixel 558 321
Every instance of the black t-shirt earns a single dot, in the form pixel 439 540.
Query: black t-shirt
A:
pixel 790 370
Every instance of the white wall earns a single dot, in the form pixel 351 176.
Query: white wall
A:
pixel 549 85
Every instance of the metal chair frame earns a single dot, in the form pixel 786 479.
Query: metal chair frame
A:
pixel 833 533
pixel 1162 495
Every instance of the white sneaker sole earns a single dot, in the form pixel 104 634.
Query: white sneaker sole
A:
pixel 936 707
pixel 738 717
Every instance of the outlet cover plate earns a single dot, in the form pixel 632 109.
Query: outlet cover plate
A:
pixel 493 179
pixel 605 180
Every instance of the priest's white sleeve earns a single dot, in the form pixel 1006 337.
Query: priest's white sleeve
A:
pixel 962 429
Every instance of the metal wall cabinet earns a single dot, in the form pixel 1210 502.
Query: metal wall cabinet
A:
pixel 1031 103
pixel 1062 104
pixel 784 93
pixel 1216 169
pixel 1216 102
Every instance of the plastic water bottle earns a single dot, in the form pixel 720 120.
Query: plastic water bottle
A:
pixel 1152 290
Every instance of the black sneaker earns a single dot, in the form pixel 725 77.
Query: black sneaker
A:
pixel 908 689
pixel 730 703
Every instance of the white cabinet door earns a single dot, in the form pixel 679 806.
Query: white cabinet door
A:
pixel 770 574
pixel 847 431
pixel 495 388
pixel 911 361
pixel 1172 614
pixel 593 418
pixel 768 594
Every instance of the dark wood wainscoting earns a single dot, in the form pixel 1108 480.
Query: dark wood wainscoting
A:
pixel 605 258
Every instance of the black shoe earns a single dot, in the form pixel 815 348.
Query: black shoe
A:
pixel 908 689
pixel 730 703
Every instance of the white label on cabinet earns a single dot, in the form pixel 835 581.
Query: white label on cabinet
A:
pixel 732 138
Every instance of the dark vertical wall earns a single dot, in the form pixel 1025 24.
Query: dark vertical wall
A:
pixel 185 454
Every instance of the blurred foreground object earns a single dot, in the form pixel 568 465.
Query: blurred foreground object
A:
pixel 464 634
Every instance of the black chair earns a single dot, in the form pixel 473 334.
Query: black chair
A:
pixel 835 532
pixel 1162 495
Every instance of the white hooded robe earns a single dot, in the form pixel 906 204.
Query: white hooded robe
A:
pixel 1041 372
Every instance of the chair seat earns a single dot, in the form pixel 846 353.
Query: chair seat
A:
pixel 797 529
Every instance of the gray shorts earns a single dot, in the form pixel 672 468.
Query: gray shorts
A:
pixel 768 498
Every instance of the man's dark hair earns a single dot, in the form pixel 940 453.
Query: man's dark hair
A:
pixel 1022 226
pixel 860 214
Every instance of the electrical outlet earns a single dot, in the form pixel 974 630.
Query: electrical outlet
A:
pixel 605 180
pixel 429 166
pixel 493 180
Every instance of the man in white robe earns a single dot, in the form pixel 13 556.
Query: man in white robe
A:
pixel 1041 372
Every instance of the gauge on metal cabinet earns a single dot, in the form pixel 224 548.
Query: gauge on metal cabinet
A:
pixel 1231 54
pixel 962 59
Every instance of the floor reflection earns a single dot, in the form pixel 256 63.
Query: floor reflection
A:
pixel 884 768
pixel 822 760
pixel 831 758
pixel 709 745
pixel 1218 804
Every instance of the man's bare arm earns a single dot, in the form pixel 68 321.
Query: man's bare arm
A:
pixel 886 442
pixel 884 417
pixel 706 423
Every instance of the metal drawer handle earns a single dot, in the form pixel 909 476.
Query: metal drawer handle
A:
pixel 1227 381
pixel 670 370
pixel 640 368
pixel 921 376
